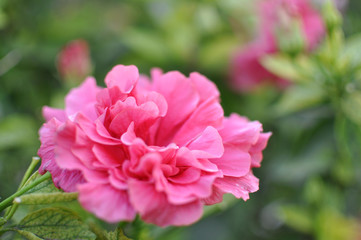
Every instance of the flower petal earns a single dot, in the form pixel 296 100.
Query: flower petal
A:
pixel 154 207
pixel 106 202
pixel 123 77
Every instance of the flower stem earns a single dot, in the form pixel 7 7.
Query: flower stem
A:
pixel 343 169
pixel 8 201
pixel 10 211
pixel 34 162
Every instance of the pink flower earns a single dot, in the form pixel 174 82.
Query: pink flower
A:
pixel 278 19
pixel 160 148
pixel 74 61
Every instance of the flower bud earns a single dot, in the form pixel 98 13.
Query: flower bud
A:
pixel 74 63
pixel 290 38
pixel 331 15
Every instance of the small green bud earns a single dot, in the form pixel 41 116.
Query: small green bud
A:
pixel 331 16
pixel 290 38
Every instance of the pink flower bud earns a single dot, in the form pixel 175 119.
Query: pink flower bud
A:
pixel 74 63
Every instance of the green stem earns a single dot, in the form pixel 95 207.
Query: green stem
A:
pixel 8 201
pixel 12 211
pixel 341 138
pixel 34 161
pixel 343 168
pixel 29 171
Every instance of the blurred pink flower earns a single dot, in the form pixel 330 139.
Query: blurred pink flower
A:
pixel 278 19
pixel 74 62
pixel 158 147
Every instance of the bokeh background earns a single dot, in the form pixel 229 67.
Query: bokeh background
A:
pixel 297 175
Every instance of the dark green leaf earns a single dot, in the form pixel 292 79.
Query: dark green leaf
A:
pixel 55 223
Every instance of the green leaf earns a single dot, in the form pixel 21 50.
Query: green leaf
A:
pixel 55 223
pixel 298 218
pixel 296 69
pixel 117 235
pixel 46 198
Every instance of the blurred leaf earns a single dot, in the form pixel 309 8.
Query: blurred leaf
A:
pixel 294 69
pixel 182 42
pixel 207 18
pixel 299 218
pixel 55 223
pixel 147 44
pixel 344 172
pixel 17 130
pixel 300 97
pixel 314 190
pixel 10 60
pixel 331 225
pixel 350 104
pixel 332 49
pixel 215 54
pixel 3 19
pixel 314 161
pixel 353 48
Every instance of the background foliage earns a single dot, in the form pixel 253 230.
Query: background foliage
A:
pixel 310 177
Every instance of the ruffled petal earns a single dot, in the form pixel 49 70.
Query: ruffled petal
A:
pixel 62 178
pixel 123 77
pixel 154 207
pixel 83 99
pixel 240 187
pixel 106 202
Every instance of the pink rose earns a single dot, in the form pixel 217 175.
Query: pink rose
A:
pixel 277 22
pixel 74 61
pixel 160 148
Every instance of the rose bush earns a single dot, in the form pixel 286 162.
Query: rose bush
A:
pixel 280 21
pixel 158 147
